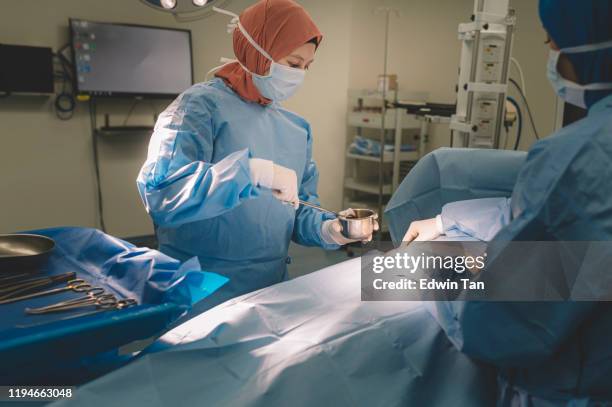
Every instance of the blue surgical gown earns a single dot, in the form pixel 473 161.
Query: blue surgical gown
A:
pixel 549 354
pixel 196 186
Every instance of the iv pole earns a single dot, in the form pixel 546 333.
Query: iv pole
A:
pixel 387 11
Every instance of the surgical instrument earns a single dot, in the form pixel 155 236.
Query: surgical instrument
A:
pixel 25 281
pixel 77 285
pixel 317 207
pixel 30 284
pixel 99 301
pixel 11 279
pixel 121 304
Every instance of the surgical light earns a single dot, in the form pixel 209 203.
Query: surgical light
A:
pixel 186 10
pixel 168 4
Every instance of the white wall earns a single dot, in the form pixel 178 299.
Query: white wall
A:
pixel 424 51
pixel 322 99
pixel 46 164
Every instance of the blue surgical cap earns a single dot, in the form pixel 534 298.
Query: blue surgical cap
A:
pixel 570 23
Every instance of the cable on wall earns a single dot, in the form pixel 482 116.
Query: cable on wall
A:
pixel 520 123
pixel 519 69
pixel 64 103
pixel 94 139
pixel 524 99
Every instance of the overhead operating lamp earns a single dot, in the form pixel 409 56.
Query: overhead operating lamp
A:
pixel 168 4
pixel 186 10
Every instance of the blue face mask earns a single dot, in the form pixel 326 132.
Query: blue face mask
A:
pixel 571 92
pixel 281 82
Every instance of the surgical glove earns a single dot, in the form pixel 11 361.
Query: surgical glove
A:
pixel 331 231
pixel 281 180
pixel 424 230
pixel 262 172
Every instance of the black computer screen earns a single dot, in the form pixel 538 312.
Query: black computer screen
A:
pixel 117 59
pixel 25 69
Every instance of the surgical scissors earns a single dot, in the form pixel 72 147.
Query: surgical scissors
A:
pixel 104 301
pixel 78 285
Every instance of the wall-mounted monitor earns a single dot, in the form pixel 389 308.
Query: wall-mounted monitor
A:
pixel 25 69
pixel 130 60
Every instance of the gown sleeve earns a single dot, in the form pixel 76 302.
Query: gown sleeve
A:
pixel 478 218
pixel 179 183
pixel 547 206
pixel 308 221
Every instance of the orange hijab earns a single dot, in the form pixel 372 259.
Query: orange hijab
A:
pixel 279 27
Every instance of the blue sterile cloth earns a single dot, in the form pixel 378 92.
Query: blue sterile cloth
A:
pixel 310 341
pixel 365 146
pixel 147 275
pixel 449 175
pixel 549 353
pixel 32 345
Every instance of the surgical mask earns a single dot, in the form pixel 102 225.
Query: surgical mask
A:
pixel 281 82
pixel 573 93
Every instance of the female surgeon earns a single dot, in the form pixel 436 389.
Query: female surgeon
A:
pixel 549 353
pixel 227 164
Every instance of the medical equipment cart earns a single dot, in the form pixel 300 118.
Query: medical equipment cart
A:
pixel 362 185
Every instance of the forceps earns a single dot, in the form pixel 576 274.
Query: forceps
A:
pixel 22 286
pixel 121 304
pixel 77 285
pixel 103 301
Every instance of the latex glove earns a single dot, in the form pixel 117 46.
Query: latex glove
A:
pixel 424 230
pixel 281 180
pixel 262 172
pixel 331 231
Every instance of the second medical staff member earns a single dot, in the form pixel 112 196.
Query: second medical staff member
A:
pixel 549 353
pixel 227 164
pixel 573 162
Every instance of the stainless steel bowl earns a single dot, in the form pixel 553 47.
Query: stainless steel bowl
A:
pixel 23 252
pixel 360 226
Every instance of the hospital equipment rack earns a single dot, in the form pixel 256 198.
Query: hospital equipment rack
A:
pixel 362 188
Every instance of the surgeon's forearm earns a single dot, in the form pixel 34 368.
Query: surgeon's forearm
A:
pixel 199 191
pixel 307 228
